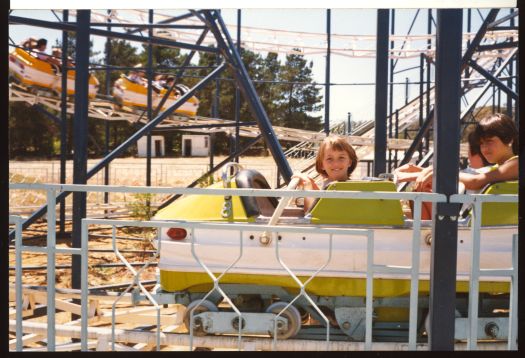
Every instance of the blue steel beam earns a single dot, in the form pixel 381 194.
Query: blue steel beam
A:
pixel 230 53
pixel 80 131
pixel 63 124
pixel 381 91
pixel 149 101
pixel 118 35
pixel 445 180
pixel 493 79
pixel 237 93
pixel 130 141
pixel 479 36
pixel 327 74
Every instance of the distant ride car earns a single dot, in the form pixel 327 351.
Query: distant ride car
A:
pixel 35 74
pixel 131 94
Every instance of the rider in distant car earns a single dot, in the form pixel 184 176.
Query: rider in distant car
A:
pixel 137 75
pixel 38 48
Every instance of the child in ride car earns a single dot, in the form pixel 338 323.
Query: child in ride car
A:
pixel 335 161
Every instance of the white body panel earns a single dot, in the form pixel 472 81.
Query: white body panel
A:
pixel 218 249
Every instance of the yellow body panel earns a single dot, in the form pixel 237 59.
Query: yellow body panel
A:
pixel 500 213
pixel 204 208
pixel 173 281
pixel 359 211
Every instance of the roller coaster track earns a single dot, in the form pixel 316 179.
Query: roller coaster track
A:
pixel 105 110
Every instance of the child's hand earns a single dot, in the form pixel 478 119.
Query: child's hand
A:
pixel 305 181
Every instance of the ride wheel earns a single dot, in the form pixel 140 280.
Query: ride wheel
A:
pixel 204 306
pixel 291 314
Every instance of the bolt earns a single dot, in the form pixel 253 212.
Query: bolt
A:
pixel 346 325
pixel 491 329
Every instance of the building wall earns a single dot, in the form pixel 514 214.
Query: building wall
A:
pixel 142 146
pixel 194 145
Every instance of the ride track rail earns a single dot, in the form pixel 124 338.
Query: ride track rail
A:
pixel 105 110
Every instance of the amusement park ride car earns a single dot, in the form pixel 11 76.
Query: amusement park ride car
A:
pixel 259 284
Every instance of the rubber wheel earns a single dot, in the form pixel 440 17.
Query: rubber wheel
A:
pixel 203 306
pixel 291 314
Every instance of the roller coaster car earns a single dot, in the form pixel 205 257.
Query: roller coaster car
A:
pixel 36 74
pixel 134 95
pixel 260 287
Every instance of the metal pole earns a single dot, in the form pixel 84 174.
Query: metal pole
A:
pixel 392 65
pixel 80 131
pixel 429 68
pixel 106 123
pixel 237 94
pixel 445 180
pixel 63 123
pixel 406 90
pixel 421 79
pixel 327 75
pixel 510 71
pixel 149 100
pixel 381 92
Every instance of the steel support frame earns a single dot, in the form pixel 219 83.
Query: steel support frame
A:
pixel 467 56
pixel 80 129
pixel 381 92
pixel 63 123
pixel 230 53
pixel 445 179
pixel 327 74
pixel 236 144
pixel 118 35
pixel 493 79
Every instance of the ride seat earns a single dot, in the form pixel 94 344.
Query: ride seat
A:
pixel 259 205
pixel 380 212
pixel 493 214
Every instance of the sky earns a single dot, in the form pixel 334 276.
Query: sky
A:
pixel 357 99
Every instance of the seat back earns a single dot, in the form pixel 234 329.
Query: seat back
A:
pixel 494 214
pixel 255 205
pixel 359 211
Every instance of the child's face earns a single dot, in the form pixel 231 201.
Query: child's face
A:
pixel 336 164
pixel 494 150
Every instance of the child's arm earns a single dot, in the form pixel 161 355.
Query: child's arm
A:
pixel 407 173
pixel 506 171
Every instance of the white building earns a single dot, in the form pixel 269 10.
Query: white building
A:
pixel 157 146
pixel 195 145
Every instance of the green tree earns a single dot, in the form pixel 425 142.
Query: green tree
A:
pixel 300 99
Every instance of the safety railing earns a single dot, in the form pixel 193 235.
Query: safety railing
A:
pixel 476 201
pixel 412 270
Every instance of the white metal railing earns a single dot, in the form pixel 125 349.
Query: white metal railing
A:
pixel 477 200
pixel 412 270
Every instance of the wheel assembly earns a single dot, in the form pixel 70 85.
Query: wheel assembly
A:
pixel 291 314
pixel 198 306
